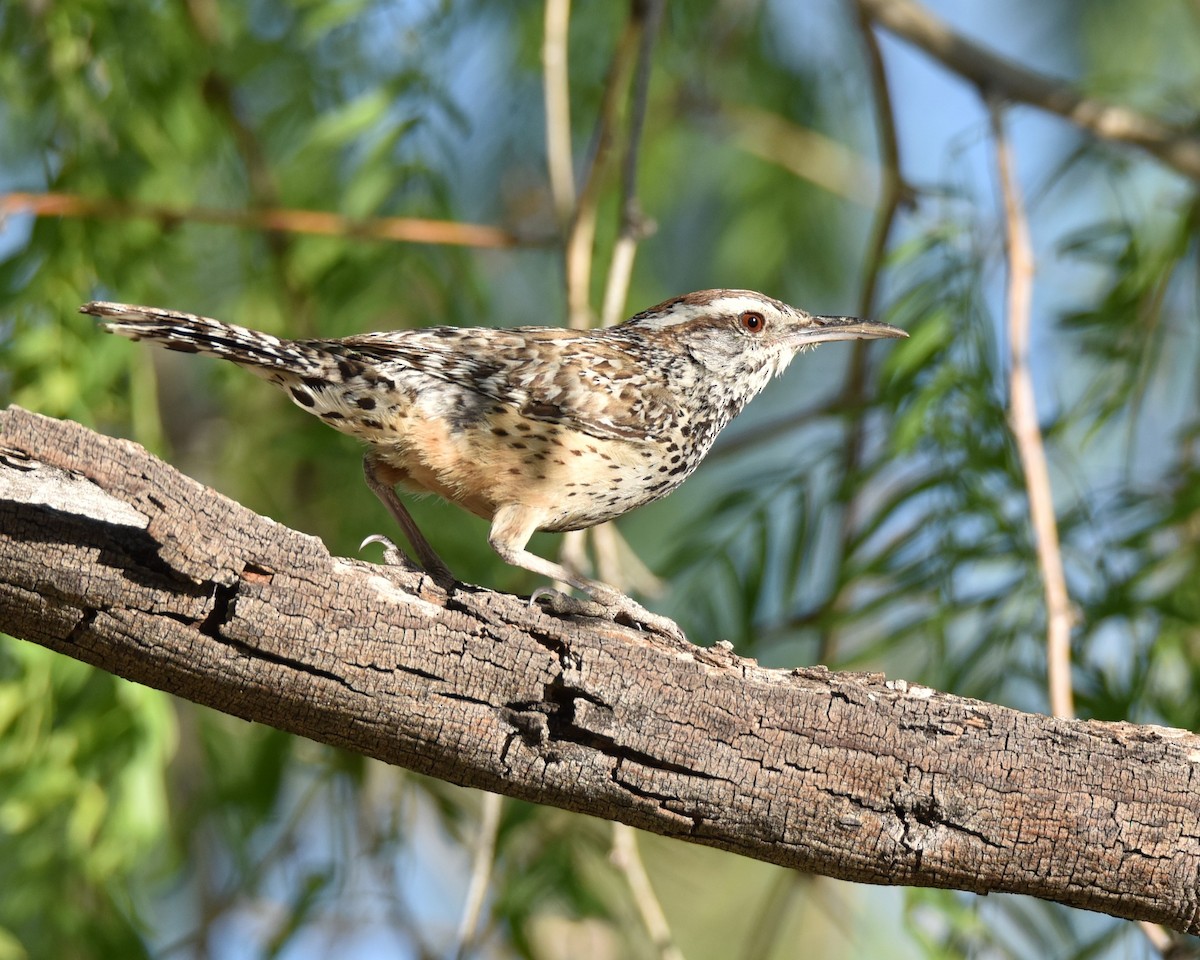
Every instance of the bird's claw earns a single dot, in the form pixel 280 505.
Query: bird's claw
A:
pixel 615 607
pixel 393 556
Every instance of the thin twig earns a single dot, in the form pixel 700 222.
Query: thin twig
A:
pixel 556 83
pixel 556 90
pixel 582 235
pixel 853 396
pixel 1165 942
pixel 1024 422
pixel 893 190
pixel 806 153
pixel 481 873
pixel 769 430
pixel 775 909
pixel 618 563
pixel 400 229
pixel 634 225
pixel 1178 148
pixel 629 861
pixel 573 555
pixel 620 272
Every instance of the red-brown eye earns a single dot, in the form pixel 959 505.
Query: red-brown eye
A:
pixel 753 322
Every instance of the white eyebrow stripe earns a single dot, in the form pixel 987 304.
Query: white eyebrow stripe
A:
pixel 729 305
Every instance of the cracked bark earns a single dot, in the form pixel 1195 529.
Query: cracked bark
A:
pixel 112 557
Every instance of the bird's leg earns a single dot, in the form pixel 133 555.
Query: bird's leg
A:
pixel 514 524
pixel 430 561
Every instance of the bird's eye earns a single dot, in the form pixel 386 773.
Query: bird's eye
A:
pixel 753 322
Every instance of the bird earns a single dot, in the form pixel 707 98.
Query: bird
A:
pixel 531 428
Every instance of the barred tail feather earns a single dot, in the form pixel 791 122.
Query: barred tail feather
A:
pixel 189 333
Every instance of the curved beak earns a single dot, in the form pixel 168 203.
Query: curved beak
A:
pixel 825 329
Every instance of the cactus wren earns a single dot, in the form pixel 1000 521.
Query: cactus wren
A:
pixel 531 428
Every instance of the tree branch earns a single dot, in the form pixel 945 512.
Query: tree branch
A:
pixel 995 75
pixel 582 233
pixel 634 226
pixel 110 556
pixel 803 152
pixel 1027 432
pixel 628 859
pixel 854 397
pixel 402 229
pixel 556 89
pixel 481 874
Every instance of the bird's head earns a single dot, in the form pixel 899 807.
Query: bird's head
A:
pixel 747 335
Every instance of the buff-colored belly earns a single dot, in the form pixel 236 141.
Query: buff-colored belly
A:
pixel 573 479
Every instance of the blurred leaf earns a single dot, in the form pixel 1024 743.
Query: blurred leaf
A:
pixel 913 555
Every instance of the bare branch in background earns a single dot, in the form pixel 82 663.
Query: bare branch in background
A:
pixel 557 92
pixel 998 76
pixel 894 192
pixel 617 562
pixel 400 229
pixel 1026 431
pixel 615 559
pixel 481 873
pixel 775 909
pixel 582 235
pixel 634 225
pixel 854 395
pixel 628 859
pixel 1165 942
pixel 808 154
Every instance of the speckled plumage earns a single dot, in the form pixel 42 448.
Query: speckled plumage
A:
pixel 534 428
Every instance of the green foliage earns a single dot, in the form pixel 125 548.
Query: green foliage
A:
pixel 82 802
pixel 883 525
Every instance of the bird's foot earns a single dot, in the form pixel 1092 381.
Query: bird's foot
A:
pixel 566 605
pixel 609 604
pixel 393 556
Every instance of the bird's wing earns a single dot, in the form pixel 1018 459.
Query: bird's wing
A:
pixel 571 377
